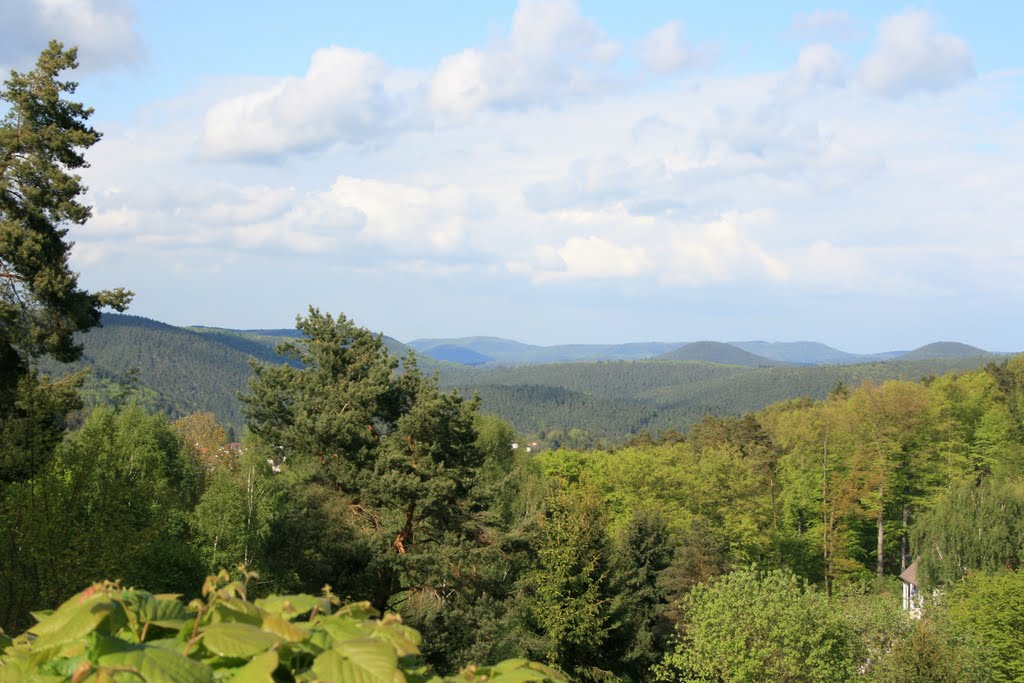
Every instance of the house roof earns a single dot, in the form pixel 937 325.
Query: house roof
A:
pixel 909 574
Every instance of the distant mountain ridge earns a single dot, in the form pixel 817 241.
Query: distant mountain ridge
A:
pixel 812 353
pixel 181 370
pixel 510 352
pixel 489 351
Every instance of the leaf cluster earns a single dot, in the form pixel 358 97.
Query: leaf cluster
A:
pixel 109 633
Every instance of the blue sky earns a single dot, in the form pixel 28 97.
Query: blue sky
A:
pixel 556 171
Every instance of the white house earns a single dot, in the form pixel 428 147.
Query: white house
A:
pixel 911 597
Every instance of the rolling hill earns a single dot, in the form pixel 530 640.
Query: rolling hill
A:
pixel 718 352
pixel 945 350
pixel 456 354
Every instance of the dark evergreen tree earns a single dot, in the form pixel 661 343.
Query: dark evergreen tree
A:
pixel 42 140
pixel 398 455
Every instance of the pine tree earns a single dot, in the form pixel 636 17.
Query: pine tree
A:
pixel 42 140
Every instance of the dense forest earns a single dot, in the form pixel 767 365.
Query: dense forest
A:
pixel 368 523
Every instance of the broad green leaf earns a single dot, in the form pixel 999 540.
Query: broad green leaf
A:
pixel 235 610
pixel 99 645
pixel 159 611
pixel 72 620
pixel 519 671
pixel 157 665
pixel 237 640
pixel 359 661
pixel 287 630
pixel 18 670
pixel 404 639
pixel 291 606
pixel 358 610
pixel 260 669
pixel 343 628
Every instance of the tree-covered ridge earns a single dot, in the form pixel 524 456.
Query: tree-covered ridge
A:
pixel 717 352
pixel 181 370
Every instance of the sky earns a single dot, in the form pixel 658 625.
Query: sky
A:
pixel 555 171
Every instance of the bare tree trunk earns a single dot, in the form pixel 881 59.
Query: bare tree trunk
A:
pixel 881 541
pixel 904 540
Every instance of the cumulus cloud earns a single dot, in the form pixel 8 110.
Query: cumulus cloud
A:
pixel 346 96
pixel 585 258
pixel 552 53
pixel 402 216
pixel 721 252
pixel 910 54
pixel 103 30
pixel 665 50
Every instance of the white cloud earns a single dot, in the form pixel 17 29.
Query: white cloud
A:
pixel 721 252
pixel 910 54
pixel 820 65
pixel 585 258
pixel 665 50
pixel 247 205
pixel 103 30
pixel 402 216
pixel 345 96
pixel 551 54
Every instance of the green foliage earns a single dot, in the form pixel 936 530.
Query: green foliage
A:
pixel 931 653
pixel 758 626
pixel 33 423
pixel 570 590
pixel 642 552
pixel 974 526
pixel 114 501
pixel 107 633
pixel 987 609
pixel 241 500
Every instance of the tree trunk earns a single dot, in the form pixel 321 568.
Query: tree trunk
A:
pixel 881 541
pixel 904 540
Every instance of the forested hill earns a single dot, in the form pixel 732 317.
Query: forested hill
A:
pixel 659 395
pixel 717 352
pixel 184 370
pixel 944 350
